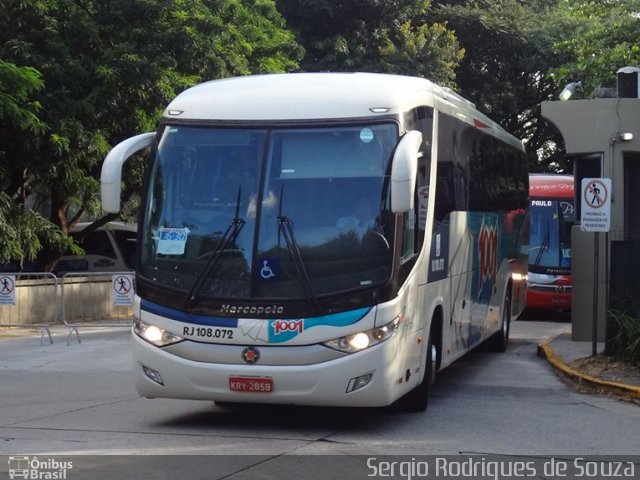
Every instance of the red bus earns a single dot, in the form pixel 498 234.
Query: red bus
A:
pixel 551 214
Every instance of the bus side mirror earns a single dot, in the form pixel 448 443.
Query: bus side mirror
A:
pixel 111 175
pixel 403 172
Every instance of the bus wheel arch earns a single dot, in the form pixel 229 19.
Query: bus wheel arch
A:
pixel 417 399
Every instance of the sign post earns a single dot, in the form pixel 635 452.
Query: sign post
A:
pixel 595 198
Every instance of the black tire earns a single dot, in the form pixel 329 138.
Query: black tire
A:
pixel 417 399
pixel 499 341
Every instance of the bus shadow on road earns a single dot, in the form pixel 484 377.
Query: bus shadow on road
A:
pixel 256 417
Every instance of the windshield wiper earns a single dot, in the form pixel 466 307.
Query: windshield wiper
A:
pixel 227 239
pixel 543 245
pixel 285 227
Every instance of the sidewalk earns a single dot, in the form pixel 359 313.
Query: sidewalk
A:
pixel 560 351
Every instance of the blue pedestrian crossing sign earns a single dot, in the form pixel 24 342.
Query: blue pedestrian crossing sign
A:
pixel 595 198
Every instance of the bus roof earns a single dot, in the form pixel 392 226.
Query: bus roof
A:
pixel 547 185
pixel 323 96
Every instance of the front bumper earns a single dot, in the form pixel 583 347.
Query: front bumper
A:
pixel 321 384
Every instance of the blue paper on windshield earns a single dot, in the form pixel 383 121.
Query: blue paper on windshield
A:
pixel 172 241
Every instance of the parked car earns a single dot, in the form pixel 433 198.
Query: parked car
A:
pixel 111 248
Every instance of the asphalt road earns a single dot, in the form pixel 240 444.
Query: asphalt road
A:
pixel 79 399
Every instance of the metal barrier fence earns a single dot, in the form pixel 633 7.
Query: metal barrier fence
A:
pixel 78 299
pixel 30 300
pixel 96 299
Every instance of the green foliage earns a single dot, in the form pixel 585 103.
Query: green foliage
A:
pixel 426 51
pixel 374 36
pixel 108 70
pixel 625 343
pixel 509 50
pixel 21 230
pixel 17 107
pixel 601 37
pixel 24 232
pixel 76 77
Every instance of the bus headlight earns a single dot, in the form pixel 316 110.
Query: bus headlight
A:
pixel 518 277
pixel 155 335
pixel 361 340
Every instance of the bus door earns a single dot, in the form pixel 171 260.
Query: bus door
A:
pixel 452 247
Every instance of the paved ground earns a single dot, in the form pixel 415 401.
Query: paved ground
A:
pixel 570 358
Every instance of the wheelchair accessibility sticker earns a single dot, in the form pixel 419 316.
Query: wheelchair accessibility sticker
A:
pixel 268 269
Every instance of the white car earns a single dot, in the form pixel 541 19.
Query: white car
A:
pixel 111 248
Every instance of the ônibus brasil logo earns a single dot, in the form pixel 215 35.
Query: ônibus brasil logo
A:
pixel 36 469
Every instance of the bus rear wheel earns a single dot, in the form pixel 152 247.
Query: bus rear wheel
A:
pixel 499 341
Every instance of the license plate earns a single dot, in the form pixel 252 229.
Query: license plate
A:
pixel 251 384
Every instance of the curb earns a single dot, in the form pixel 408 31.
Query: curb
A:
pixel 630 392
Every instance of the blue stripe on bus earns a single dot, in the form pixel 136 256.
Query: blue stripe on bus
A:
pixel 337 319
pixel 284 330
pixel 188 317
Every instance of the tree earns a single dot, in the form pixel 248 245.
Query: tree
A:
pixel 509 55
pixel 602 36
pixel 109 68
pixel 21 229
pixel 17 108
pixel 374 36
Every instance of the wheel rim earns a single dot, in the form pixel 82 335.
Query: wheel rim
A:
pixel 505 320
pixel 432 368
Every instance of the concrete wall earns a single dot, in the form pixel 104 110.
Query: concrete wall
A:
pixel 595 126
pixel 88 300
pixel 36 302
pixel 582 297
pixel 74 299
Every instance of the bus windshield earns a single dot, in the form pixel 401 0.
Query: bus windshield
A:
pixel 259 213
pixel 550 235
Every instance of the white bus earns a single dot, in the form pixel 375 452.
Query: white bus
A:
pixel 321 239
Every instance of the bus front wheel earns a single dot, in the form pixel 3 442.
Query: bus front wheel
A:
pixel 417 399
